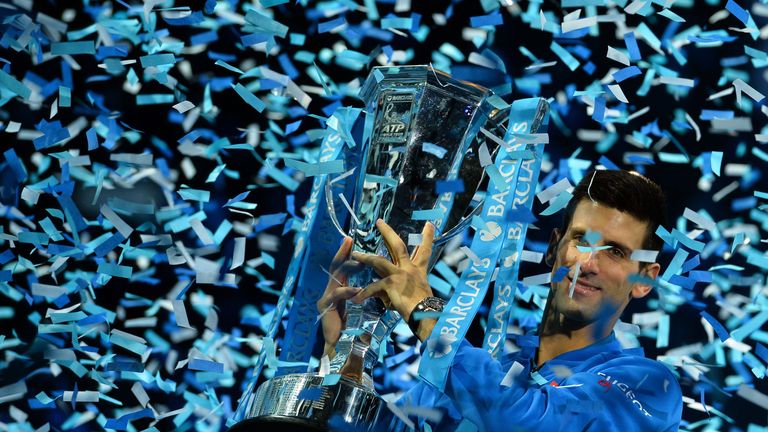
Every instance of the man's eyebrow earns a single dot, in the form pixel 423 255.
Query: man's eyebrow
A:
pixel 608 242
pixel 626 249
pixel 574 231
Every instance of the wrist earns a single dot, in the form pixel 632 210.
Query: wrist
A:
pixel 425 328
pixel 421 319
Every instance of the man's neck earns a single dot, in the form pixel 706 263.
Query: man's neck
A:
pixel 555 340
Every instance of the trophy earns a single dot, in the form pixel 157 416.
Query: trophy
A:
pixel 425 130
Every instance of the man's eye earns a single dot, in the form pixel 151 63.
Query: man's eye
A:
pixel 618 253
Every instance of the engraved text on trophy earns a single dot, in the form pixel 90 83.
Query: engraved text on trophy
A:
pixel 396 118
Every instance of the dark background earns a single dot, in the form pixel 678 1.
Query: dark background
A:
pixel 99 96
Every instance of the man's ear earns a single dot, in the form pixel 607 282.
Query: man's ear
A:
pixel 640 290
pixel 554 240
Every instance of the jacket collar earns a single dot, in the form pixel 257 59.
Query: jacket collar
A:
pixel 607 345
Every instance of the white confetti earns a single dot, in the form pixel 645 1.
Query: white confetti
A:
pixel 183 106
pixel 238 255
pixel 618 56
pixel 553 191
pixel 642 255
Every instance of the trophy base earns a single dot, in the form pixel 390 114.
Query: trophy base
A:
pixel 299 402
pixel 282 424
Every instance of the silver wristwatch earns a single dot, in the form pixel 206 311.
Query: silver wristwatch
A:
pixel 429 304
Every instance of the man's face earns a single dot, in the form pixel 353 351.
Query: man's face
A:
pixel 601 288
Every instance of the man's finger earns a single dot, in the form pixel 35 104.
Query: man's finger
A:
pixel 342 273
pixel 424 251
pixel 336 295
pixel 397 249
pixel 344 293
pixel 342 254
pixel 375 289
pixel 382 266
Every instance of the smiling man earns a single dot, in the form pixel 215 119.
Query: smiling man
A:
pixel 576 376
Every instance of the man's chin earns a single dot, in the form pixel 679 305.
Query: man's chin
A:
pixel 575 309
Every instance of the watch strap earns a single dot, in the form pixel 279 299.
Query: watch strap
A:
pixel 428 304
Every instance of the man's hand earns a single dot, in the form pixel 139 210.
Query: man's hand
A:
pixel 331 306
pixel 403 282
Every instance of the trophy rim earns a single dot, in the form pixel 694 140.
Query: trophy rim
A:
pixel 405 73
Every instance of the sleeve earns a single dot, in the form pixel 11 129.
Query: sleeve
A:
pixel 443 414
pixel 623 394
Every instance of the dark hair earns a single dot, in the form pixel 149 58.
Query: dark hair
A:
pixel 626 191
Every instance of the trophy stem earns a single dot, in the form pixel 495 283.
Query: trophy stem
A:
pixel 352 403
pixel 368 326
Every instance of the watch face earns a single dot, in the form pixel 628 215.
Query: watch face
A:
pixel 433 303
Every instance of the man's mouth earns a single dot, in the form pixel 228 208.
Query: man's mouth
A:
pixel 582 286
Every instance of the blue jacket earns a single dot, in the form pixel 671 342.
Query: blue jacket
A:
pixel 601 387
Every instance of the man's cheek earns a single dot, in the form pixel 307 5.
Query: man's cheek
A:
pixel 569 256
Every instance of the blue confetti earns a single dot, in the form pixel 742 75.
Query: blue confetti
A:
pixel 631 44
pixel 492 19
pixel 625 73
pixel 721 331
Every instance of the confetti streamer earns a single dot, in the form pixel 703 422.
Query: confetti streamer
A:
pixel 618 56
pixel 553 191
pixel 752 395
pixel 249 98
pixel 119 224
pixel 72 48
pixel 565 56
pixel 574 279
pixel 14 85
pixel 721 331
pixel 541 279
pixel 311 170
pixel 625 73
pixel 631 44
pixel 426 215
pixel 644 255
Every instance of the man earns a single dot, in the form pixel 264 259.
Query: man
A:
pixel 578 377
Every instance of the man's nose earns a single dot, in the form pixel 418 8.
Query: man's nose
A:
pixel 588 261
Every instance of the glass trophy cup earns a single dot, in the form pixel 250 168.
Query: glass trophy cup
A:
pixel 425 130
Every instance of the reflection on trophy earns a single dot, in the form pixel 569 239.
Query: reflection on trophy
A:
pixel 425 131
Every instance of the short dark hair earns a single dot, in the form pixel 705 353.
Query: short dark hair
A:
pixel 627 191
